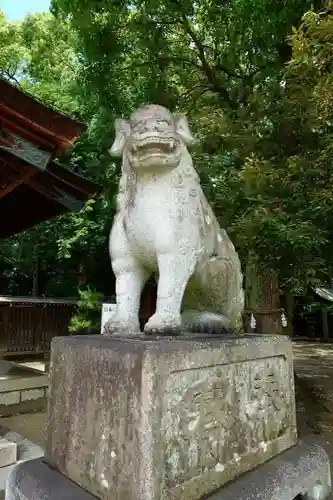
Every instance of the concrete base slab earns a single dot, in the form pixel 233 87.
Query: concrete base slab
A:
pixel 303 470
pixel 35 480
pixel 26 450
pixel 8 452
pixel 22 389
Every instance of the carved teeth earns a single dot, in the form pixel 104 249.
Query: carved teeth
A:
pixel 153 144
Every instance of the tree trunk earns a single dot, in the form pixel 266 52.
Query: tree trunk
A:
pixel 324 320
pixel 82 274
pixel 36 278
pixel 251 290
pixel 289 311
pixel 262 297
pixel 269 309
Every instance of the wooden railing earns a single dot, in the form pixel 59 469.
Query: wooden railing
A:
pixel 30 326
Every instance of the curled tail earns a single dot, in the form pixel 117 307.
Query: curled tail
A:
pixel 205 322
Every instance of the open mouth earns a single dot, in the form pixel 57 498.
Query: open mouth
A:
pixel 148 147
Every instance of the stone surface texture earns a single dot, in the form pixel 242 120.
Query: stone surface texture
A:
pixel 303 470
pixel 8 452
pixel 35 480
pixel 9 398
pixel 32 394
pixel 158 419
pixel 165 225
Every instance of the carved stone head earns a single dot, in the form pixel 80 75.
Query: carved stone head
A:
pixel 153 137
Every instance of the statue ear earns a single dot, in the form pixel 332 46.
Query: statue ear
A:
pixel 183 130
pixel 123 130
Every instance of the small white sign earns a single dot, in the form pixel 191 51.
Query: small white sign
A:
pixel 108 311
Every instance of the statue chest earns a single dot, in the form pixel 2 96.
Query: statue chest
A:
pixel 157 220
pixel 155 203
pixel 149 226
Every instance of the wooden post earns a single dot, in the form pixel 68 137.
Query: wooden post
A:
pixel 290 307
pixel 324 319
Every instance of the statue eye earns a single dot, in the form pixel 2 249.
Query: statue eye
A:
pixel 164 124
pixel 138 126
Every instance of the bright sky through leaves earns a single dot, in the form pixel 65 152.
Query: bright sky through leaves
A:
pixel 16 9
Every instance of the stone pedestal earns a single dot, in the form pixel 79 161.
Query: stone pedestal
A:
pixel 164 419
pixel 153 418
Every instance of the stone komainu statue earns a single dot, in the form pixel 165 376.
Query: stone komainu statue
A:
pixel 165 225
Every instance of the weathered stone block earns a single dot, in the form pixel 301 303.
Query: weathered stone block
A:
pixel 30 394
pixel 8 452
pixel 167 418
pixel 9 398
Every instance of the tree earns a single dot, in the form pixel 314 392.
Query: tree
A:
pixel 40 55
pixel 232 89
pixel 237 73
pixel 234 56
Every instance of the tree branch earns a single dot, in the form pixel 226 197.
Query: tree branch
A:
pixel 201 52
pixel 201 93
pixel 162 22
pixel 163 59
pixel 229 72
pixel 10 76
pixel 208 70
pixel 189 92
pixel 66 63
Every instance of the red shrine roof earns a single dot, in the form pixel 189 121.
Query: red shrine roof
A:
pixel 33 186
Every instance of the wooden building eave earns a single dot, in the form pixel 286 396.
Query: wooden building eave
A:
pixel 33 186
pixel 33 117
pixel 41 195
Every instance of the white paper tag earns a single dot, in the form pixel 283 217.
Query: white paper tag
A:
pixel 108 311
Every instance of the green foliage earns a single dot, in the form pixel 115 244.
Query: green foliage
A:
pixel 53 62
pixel 42 56
pixel 88 316
pixel 234 58
pixel 224 49
pixel 319 306
pixel 256 83
pixel 13 55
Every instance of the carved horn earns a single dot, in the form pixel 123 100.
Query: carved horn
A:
pixel 123 130
pixel 183 129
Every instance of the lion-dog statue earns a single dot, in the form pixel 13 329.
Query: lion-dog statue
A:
pixel 164 225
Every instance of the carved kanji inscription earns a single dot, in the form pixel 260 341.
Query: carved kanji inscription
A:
pixel 214 417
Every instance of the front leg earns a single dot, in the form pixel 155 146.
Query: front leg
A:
pixel 130 280
pixel 175 271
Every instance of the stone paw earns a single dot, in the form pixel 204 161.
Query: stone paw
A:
pixel 164 327
pixel 121 326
